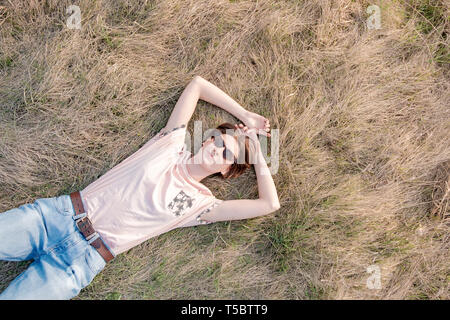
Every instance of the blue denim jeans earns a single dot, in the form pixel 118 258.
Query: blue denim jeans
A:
pixel 64 261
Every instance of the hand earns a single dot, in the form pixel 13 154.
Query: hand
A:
pixel 258 122
pixel 254 140
pixel 251 133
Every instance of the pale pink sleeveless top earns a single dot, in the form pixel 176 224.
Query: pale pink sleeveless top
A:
pixel 147 194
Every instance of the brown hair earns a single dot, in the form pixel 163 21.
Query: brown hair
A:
pixel 236 169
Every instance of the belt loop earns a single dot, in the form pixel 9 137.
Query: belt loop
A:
pixel 93 237
pixel 79 216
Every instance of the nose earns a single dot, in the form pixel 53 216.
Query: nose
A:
pixel 213 149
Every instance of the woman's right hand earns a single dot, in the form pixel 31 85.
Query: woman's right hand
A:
pixel 255 121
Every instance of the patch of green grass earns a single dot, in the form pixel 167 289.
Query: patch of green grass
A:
pixel 314 292
pixel 211 270
pixel 282 242
pixel 390 244
pixel 125 12
pixel 433 17
pixel 204 44
pixel 245 260
pixel 159 275
pixel 328 201
pixel 442 55
pixel 111 42
pixel 429 14
pixel 38 72
pixel 113 296
pixel 116 111
pixel 43 190
pixel 17 30
pixel 6 62
pixel 419 296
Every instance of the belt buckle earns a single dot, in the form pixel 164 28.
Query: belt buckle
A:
pixel 83 224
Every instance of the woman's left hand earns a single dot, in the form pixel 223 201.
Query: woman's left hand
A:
pixel 251 133
pixel 256 121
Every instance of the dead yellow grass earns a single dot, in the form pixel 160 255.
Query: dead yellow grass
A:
pixel 363 117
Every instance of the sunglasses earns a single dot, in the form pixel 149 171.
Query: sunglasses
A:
pixel 219 142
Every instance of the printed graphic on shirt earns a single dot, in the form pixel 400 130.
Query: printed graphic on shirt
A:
pixel 180 203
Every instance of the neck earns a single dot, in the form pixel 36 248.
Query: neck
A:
pixel 195 170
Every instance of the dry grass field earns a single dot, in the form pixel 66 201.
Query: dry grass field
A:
pixel 364 120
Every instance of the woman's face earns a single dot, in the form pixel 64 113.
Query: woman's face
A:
pixel 212 159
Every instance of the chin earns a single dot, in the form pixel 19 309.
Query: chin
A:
pixel 208 168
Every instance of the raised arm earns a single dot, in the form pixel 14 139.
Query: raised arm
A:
pixel 185 106
pixel 200 88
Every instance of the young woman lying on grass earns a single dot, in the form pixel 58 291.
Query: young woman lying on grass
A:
pixel 156 189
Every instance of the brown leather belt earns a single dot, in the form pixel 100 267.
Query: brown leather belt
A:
pixel 86 228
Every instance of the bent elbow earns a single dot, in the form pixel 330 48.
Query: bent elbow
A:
pixel 274 206
pixel 197 79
